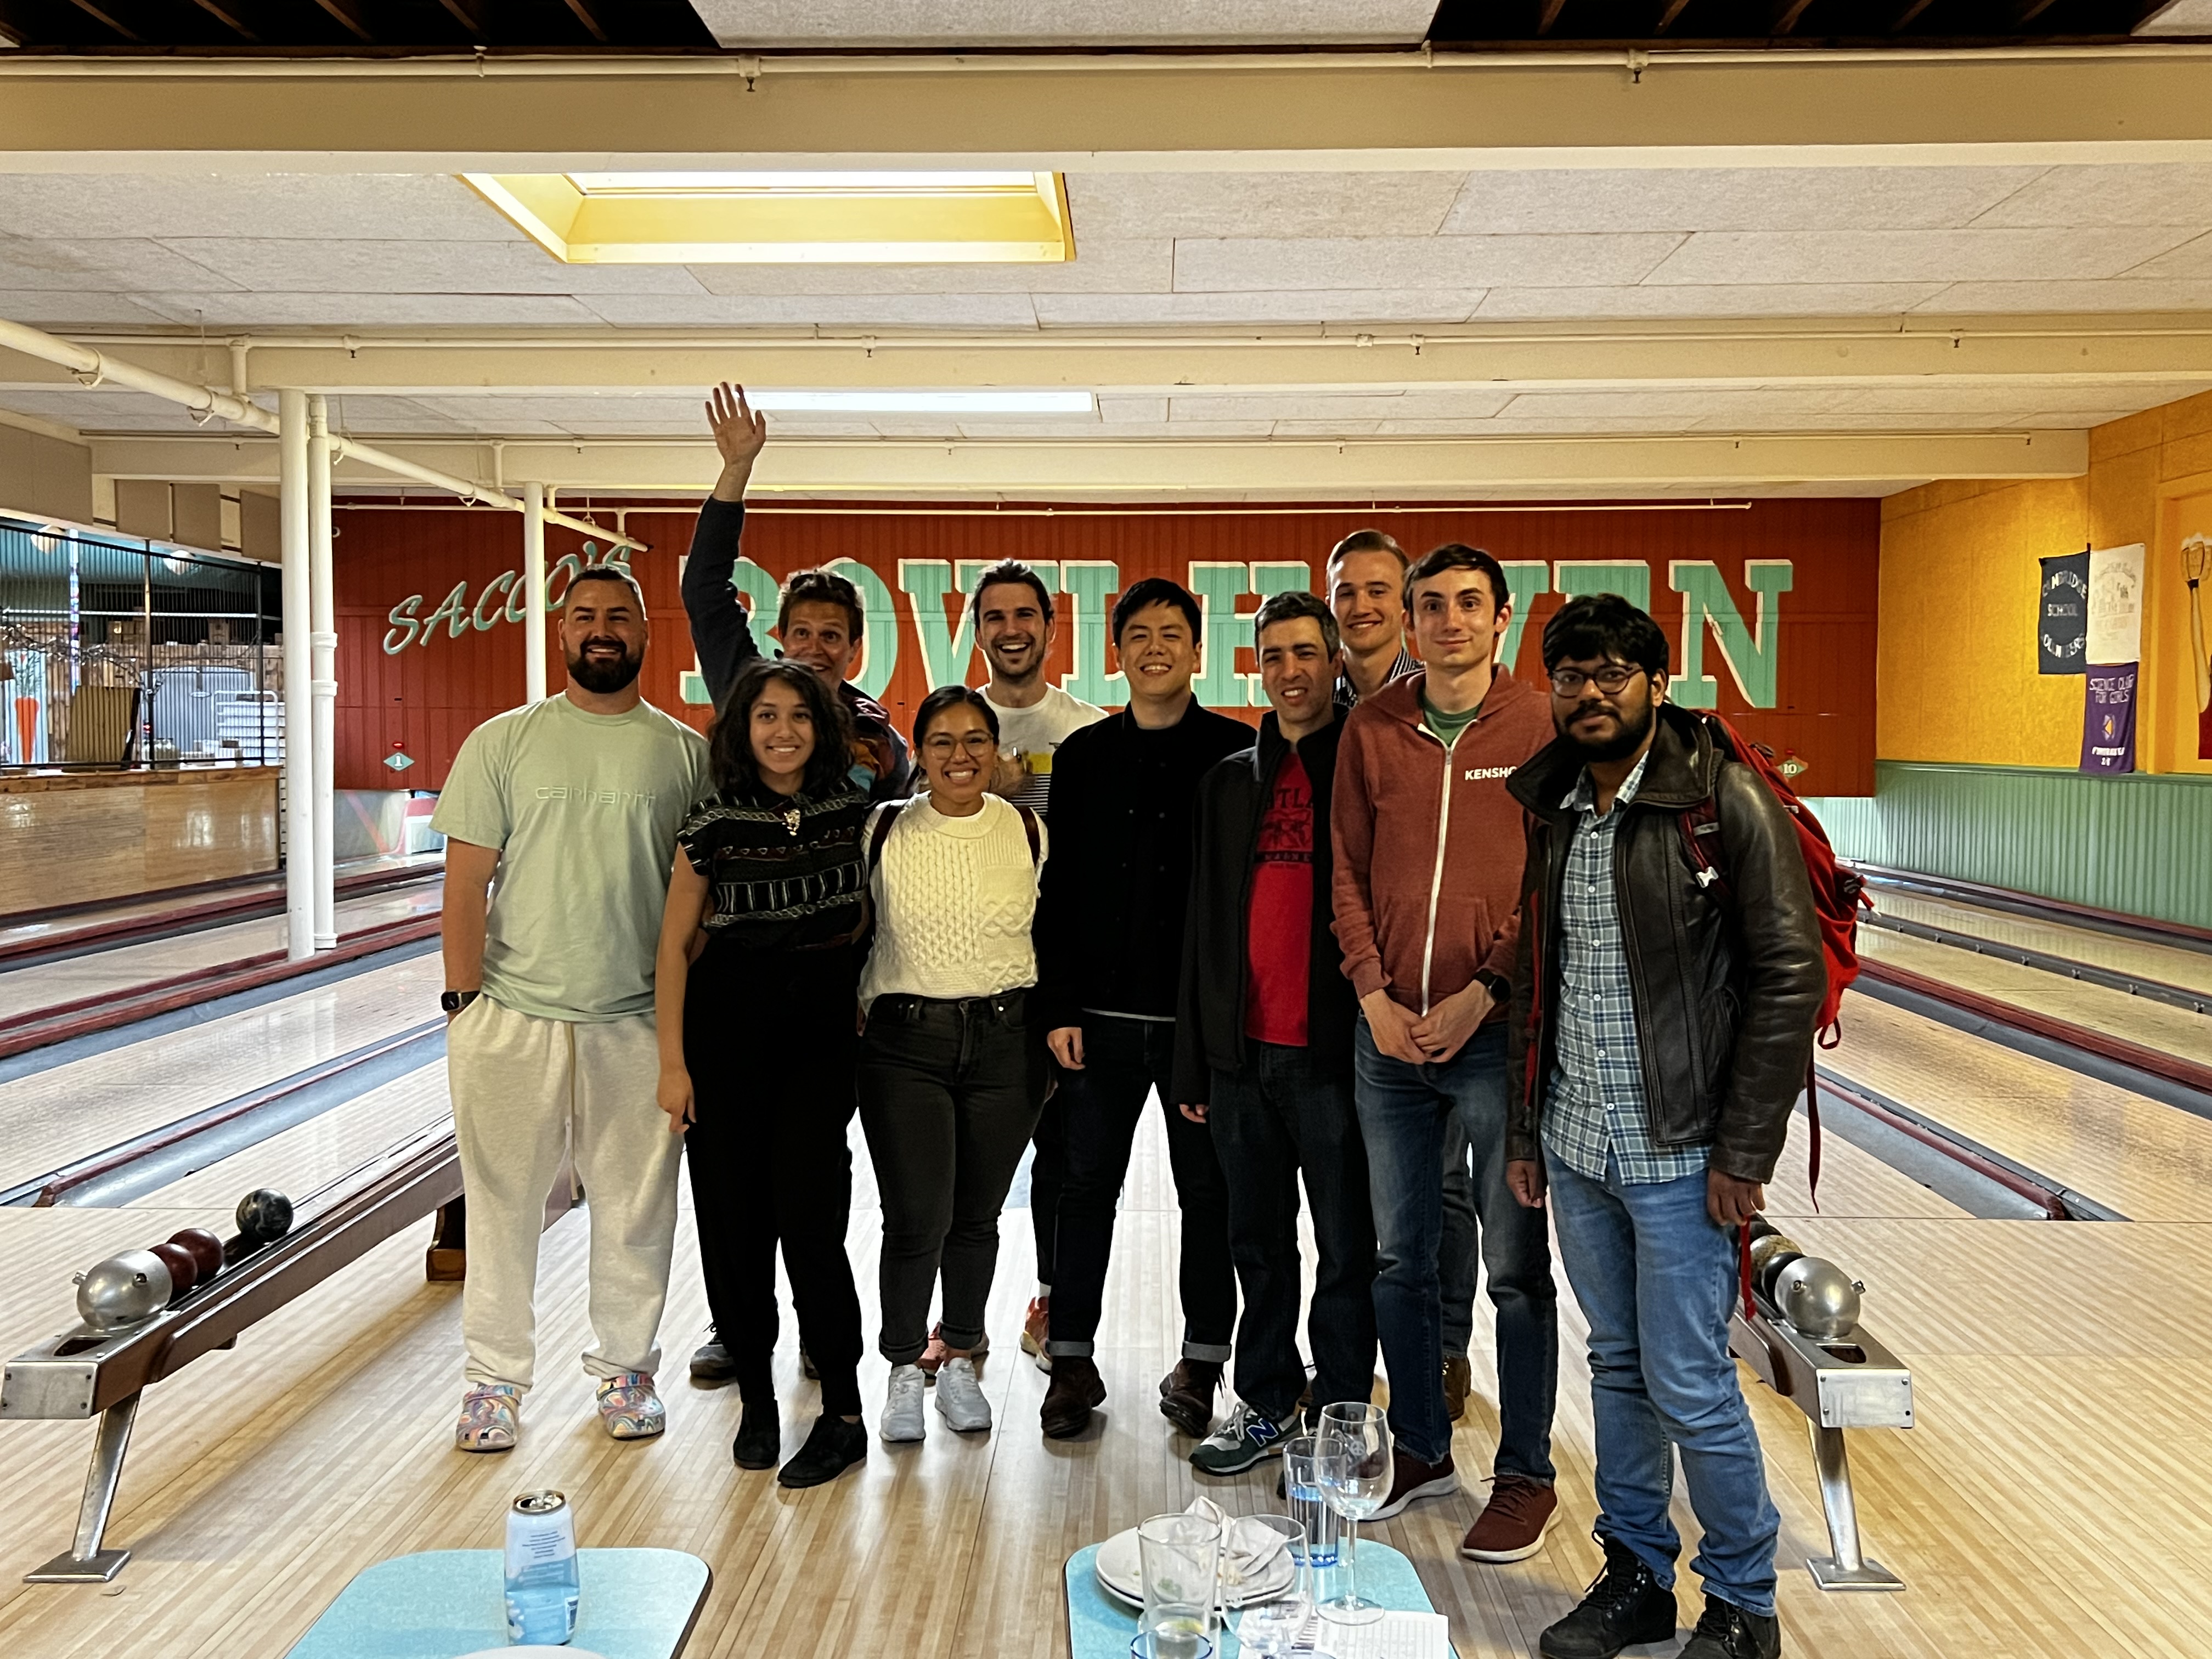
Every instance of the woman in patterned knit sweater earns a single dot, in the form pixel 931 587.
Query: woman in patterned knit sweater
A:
pixel 952 1065
pixel 759 1045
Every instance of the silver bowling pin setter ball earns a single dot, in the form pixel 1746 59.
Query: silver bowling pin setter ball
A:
pixel 1818 1298
pixel 128 1286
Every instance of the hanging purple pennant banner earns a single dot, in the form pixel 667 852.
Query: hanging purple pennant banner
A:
pixel 2108 719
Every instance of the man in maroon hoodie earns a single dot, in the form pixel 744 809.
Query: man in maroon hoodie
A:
pixel 1429 849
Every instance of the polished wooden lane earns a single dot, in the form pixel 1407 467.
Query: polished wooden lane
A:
pixel 2169 963
pixel 2053 1500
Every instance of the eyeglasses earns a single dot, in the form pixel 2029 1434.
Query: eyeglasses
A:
pixel 1614 676
pixel 975 743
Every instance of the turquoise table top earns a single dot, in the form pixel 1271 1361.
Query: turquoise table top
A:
pixel 634 1604
pixel 1101 1626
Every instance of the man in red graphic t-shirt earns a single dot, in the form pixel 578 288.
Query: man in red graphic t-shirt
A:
pixel 1263 1044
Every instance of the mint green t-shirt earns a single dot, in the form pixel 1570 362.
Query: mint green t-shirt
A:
pixel 584 809
pixel 1447 726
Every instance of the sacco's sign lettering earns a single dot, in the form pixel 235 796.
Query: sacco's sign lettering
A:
pixel 502 599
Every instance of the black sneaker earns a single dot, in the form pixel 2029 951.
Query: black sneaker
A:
pixel 760 1438
pixel 712 1364
pixel 1246 1437
pixel 1725 1631
pixel 833 1447
pixel 1626 1603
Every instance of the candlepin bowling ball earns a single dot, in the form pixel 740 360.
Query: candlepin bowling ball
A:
pixel 1818 1298
pixel 206 1249
pixel 1770 1254
pixel 128 1287
pixel 264 1216
pixel 183 1267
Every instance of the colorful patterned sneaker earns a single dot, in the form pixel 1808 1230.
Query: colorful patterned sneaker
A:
pixel 488 1422
pixel 934 1356
pixel 1036 1326
pixel 630 1408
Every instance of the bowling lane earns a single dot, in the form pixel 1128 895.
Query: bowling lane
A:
pixel 2170 964
pixel 2156 1025
pixel 2148 1160
pixel 74 1108
pixel 24 991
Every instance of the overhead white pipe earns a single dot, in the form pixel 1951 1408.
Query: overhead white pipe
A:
pixel 323 643
pixel 95 369
pixel 298 673
pixel 533 592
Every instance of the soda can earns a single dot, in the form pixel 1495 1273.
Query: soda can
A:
pixel 541 1570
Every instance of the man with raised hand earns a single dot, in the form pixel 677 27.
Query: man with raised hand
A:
pixel 1428 886
pixel 572 804
pixel 1110 924
pixel 820 619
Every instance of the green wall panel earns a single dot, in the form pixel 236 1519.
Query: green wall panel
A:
pixel 2138 844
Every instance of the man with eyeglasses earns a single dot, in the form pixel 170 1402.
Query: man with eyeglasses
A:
pixel 1663 1030
pixel 1428 884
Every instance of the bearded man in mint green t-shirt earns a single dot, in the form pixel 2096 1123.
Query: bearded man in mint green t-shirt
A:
pixel 560 818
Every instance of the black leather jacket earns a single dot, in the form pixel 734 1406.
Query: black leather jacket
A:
pixel 1725 991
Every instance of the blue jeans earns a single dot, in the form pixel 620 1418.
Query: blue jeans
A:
pixel 1457 1251
pixel 1402 1112
pixel 1656 1278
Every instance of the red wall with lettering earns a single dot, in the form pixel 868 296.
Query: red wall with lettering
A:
pixel 421 699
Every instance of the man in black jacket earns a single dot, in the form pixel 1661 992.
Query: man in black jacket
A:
pixel 1662 1026
pixel 1109 933
pixel 819 617
pixel 1263 1045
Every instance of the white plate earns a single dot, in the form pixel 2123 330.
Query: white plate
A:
pixel 1120 1571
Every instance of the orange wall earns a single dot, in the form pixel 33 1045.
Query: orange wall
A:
pixel 1956 677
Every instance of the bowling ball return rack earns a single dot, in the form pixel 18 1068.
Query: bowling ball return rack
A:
pixel 83 1373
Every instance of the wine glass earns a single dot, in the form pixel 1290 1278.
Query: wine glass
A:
pixel 1356 1474
pixel 1272 1627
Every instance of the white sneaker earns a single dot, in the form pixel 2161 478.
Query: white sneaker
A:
pixel 959 1398
pixel 901 1418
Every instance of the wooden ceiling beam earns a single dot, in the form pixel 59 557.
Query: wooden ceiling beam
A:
pixel 349 15
pixel 584 15
pixel 1668 14
pixel 1786 14
pixel 92 11
pixel 229 18
pixel 470 14
pixel 1549 14
pixel 1913 8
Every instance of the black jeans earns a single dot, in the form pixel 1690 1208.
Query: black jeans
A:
pixel 1048 1174
pixel 948 1096
pixel 1124 1060
pixel 771 1049
pixel 1273 1120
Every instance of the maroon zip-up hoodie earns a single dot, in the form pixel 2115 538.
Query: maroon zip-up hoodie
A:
pixel 1429 846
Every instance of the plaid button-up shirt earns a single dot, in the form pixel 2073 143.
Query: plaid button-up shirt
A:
pixel 1597 1105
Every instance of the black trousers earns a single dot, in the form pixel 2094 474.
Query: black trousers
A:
pixel 1274 1120
pixel 1124 1060
pixel 1048 1174
pixel 948 1097
pixel 771 1048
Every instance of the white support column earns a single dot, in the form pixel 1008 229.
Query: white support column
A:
pixel 533 585
pixel 323 641
pixel 299 675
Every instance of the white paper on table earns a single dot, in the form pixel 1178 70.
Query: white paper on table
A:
pixel 2116 605
pixel 1393 1636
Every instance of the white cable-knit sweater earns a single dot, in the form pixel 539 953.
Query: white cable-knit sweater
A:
pixel 954 899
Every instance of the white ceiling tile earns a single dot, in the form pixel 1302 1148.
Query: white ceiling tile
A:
pixel 1339 406
pixel 1138 204
pixel 1115 410
pixel 977 311
pixel 2119 295
pixel 1349 308
pixel 2178 17
pixel 2191 261
pixel 848 23
pixel 1103 264
pixel 1265 263
pixel 1182 428
pixel 258 310
pixel 99 265
pixel 1040 427
pixel 1331 429
pixel 1728 199
pixel 1697 300
pixel 1683 403
pixel 331 265
pixel 1908 256
pixel 1538 425
pixel 393 206
pixel 69 309
pixel 2158 193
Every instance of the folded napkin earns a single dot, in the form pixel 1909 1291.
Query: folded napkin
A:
pixel 1250 1552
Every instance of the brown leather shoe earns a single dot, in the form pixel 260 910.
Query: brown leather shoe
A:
pixel 1459 1378
pixel 1512 1524
pixel 1411 1480
pixel 1075 1388
pixel 1186 1396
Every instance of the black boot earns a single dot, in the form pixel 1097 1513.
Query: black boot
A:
pixel 1626 1603
pixel 833 1447
pixel 760 1436
pixel 1727 1632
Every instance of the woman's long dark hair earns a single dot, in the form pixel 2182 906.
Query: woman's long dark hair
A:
pixel 948 697
pixel 729 743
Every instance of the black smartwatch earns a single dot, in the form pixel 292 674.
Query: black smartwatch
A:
pixel 1499 987
pixel 453 1001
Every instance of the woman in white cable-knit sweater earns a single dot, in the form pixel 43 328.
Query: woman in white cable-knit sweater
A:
pixel 952 1065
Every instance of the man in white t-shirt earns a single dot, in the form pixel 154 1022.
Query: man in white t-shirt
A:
pixel 1012 608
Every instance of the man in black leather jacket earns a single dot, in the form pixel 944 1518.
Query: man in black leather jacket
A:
pixel 1661 1028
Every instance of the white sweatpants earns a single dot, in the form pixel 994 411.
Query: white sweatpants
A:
pixel 525 1091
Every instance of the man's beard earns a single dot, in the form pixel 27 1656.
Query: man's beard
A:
pixel 604 677
pixel 1623 743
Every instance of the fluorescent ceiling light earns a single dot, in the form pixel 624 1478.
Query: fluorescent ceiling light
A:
pixel 925 402
pixel 787 218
